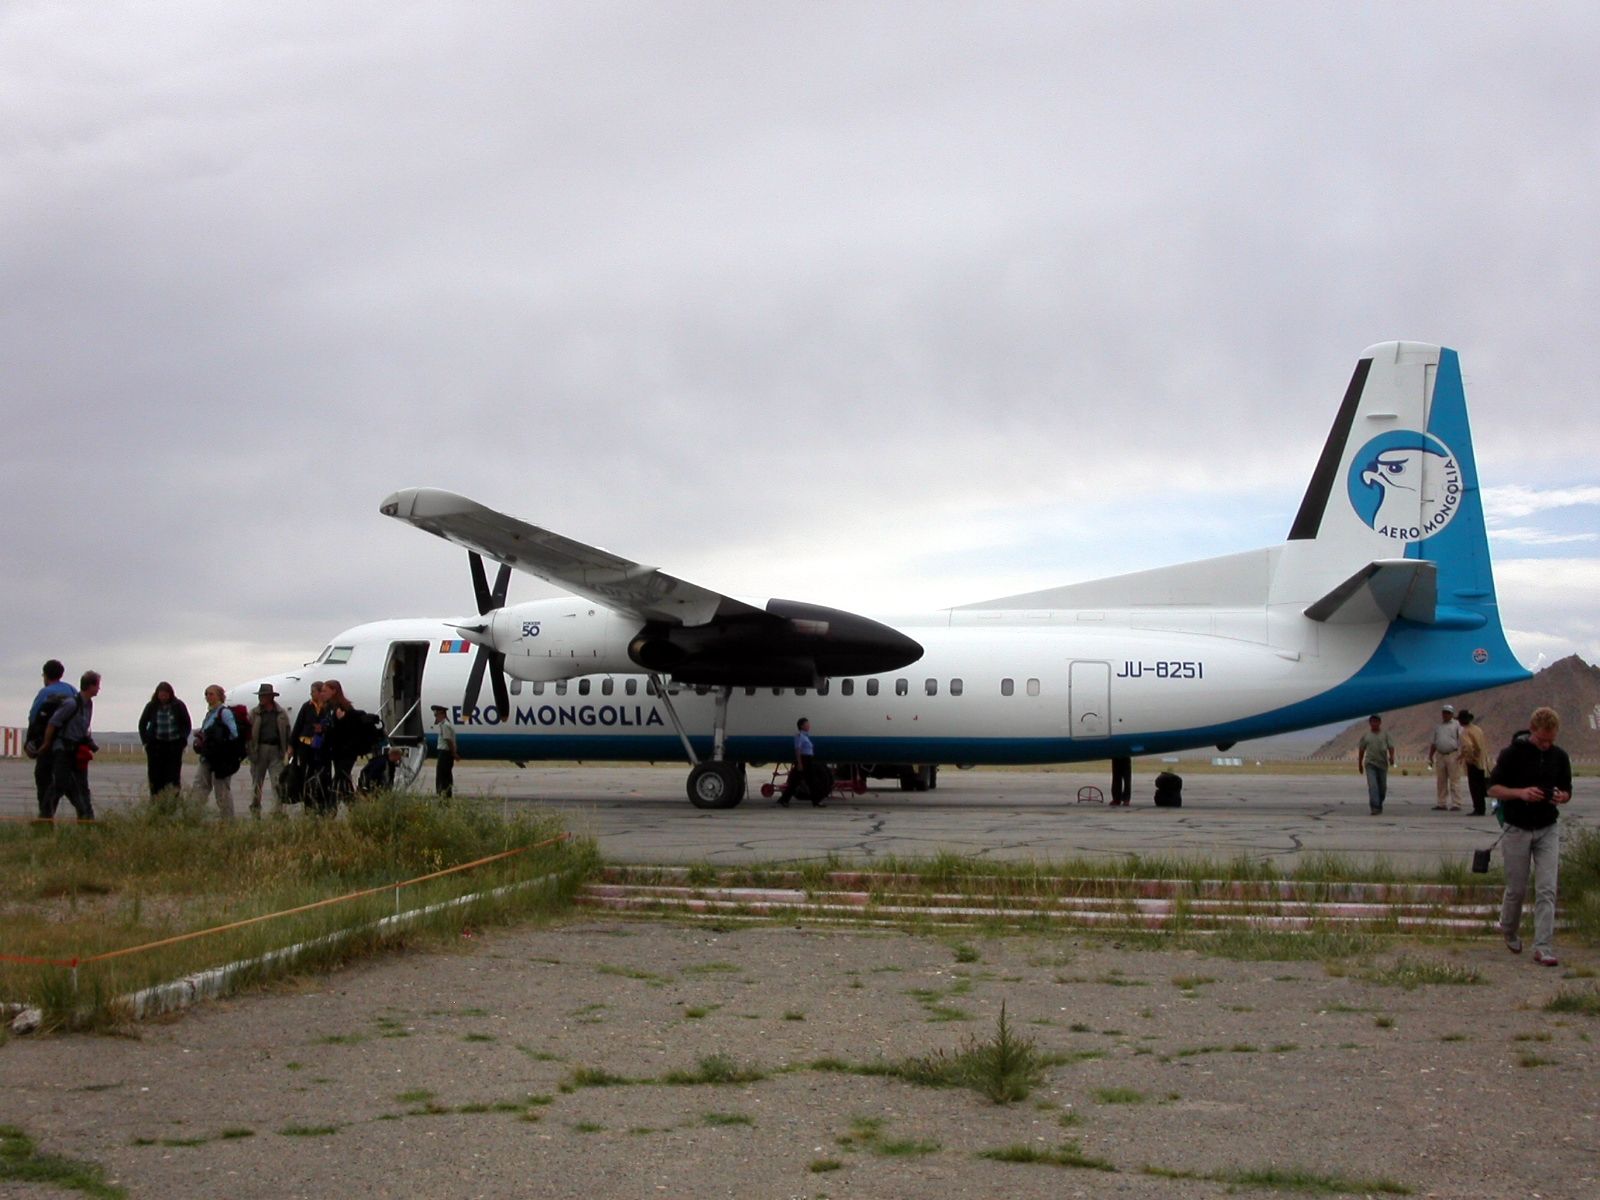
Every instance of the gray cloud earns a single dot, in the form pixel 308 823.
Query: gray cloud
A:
pixel 851 302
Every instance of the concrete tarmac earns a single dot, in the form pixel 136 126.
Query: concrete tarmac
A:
pixel 641 814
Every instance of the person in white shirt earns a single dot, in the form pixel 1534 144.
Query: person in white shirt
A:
pixel 1444 756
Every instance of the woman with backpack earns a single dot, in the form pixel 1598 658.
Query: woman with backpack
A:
pixel 164 727
pixel 220 745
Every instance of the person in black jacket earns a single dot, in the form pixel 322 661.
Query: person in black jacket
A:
pixel 1532 776
pixel 164 728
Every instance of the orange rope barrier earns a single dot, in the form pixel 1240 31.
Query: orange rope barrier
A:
pixel 288 912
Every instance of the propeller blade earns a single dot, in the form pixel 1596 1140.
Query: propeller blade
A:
pixel 501 582
pixel 469 701
pixel 480 583
pixel 497 680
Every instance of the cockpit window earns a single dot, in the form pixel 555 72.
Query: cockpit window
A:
pixel 339 654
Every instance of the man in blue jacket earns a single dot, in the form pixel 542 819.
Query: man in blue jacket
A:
pixel 55 689
pixel 70 745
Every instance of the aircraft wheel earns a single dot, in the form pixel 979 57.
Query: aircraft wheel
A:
pixel 716 785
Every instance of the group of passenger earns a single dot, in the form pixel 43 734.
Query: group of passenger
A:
pixel 309 759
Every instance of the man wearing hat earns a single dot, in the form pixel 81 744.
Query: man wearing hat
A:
pixel 269 739
pixel 444 776
pixel 1444 756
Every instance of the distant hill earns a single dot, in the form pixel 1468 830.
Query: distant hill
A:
pixel 1570 686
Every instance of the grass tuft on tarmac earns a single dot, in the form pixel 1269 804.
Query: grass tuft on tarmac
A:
pixel 1289 1179
pixel 21 1162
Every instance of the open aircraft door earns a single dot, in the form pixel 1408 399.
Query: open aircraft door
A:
pixel 400 706
pixel 1089 700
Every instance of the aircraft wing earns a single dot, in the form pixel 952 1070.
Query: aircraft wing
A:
pixel 587 571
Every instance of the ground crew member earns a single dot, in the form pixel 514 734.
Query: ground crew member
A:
pixel 269 743
pixel 1444 756
pixel 444 775
pixel 1532 776
pixel 1374 757
pixel 805 761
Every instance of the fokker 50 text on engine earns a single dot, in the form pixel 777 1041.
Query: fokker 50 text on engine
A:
pixel 1381 596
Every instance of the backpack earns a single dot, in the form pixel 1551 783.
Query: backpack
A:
pixel 36 727
pixel 365 732
pixel 1169 790
pixel 222 753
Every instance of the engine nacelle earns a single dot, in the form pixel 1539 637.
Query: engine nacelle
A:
pixel 562 638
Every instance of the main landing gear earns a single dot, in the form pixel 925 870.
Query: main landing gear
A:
pixel 716 782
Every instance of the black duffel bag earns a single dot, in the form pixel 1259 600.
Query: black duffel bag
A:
pixel 292 783
pixel 1169 790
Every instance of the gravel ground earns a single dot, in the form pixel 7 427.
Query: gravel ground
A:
pixel 1239 1064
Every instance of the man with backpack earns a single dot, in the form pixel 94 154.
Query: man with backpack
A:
pixel 54 691
pixel 69 747
pixel 221 746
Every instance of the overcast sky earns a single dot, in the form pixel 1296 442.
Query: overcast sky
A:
pixel 884 306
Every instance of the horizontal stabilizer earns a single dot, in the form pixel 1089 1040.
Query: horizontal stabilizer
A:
pixel 1380 592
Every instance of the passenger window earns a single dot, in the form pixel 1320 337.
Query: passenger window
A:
pixel 955 687
pixel 872 687
pixel 750 691
pixel 650 688
pixel 607 686
pixel 561 687
pixel 931 686
pixel 583 687
pixel 339 654
pixel 538 687
pixel 700 689
pixel 822 688
pixel 777 691
pixel 1008 687
pixel 799 691
pixel 516 687
pixel 902 687
pixel 1033 687
pixel 631 686
pixel 847 687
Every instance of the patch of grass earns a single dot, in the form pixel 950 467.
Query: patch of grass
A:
pixel 1241 1008
pixel 938 1013
pixel 1347 1008
pixel 1288 1179
pixel 722 1118
pixel 710 968
pixel 476 1037
pixel 1189 982
pixel 794 1014
pixel 1412 973
pixel 588 1127
pixel 1245 1048
pixel 476 1106
pixel 1079 1027
pixel 1004 1068
pixel 540 1055
pixel 592 1077
pixel 540 1100
pixel 188 1141
pixel 627 972
pixel 1585 1001
pixel 308 1130
pixel 867 1133
pixel 415 1096
pixel 1578 973
pixel 1066 1155
pixel 715 1070
pixel 1118 1095
pixel 1117 979
pixel 820 1166
pixel 235 1132
pixel 965 953
pixel 1531 1059
pixel 1068 1119
pixel 1284 1047
pixel 340 1039
pixel 1453 1037
pixel 21 1162
pixel 1250 944
pixel 1383 1022
pixel 701 1010
pixel 1533 1037
pixel 1192 1051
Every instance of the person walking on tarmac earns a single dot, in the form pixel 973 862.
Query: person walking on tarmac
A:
pixel 444 775
pixel 1475 758
pixel 50 696
pixel 269 740
pixel 164 728
pixel 805 768
pixel 69 746
pixel 1444 756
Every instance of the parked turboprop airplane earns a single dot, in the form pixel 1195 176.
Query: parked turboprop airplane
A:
pixel 1382 596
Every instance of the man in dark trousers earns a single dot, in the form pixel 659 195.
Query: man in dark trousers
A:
pixel 444 775
pixel 1122 781
pixel 70 746
pixel 805 767
pixel 54 691
pixel 1532 776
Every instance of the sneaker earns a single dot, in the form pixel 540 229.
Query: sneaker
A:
pixel 1438 808
pixel 1545 959
pixel 1513 943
